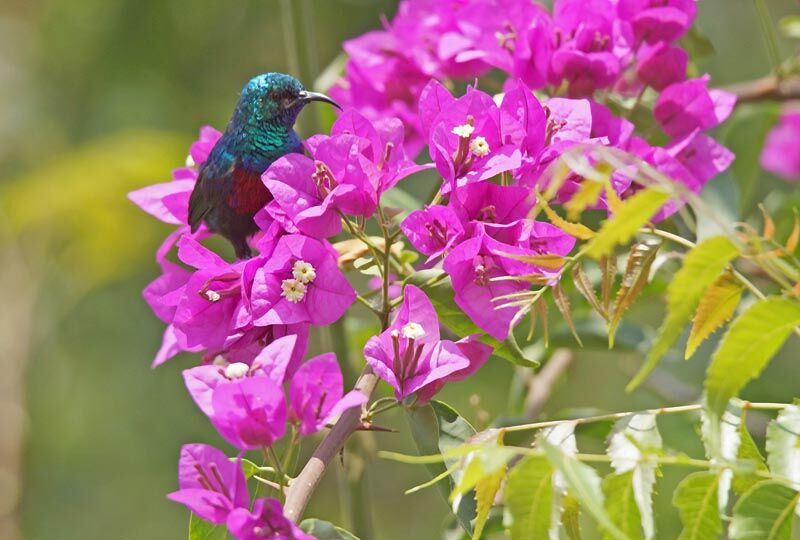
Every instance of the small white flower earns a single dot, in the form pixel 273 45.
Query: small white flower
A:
pixel 412 330
pixel 190 161
pixel 237 370
pixel 479 146
pixel 293 290
pixel 303 272
pixel 213 296
pixel 464 131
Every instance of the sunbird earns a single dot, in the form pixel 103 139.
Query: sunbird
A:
pixel 229 191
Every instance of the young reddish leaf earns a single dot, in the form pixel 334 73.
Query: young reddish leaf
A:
pixel 562 303
pixel 716 307
pixel 794 236
pixel 769 225
pixel 634 279
pixel 541 308
pixel 584 286
pixel 608 266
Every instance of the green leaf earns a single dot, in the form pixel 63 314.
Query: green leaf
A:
pixel 249 468
pixel 529 498
pixel 200 529
pixel 783 445
pixel 631 440
pixel 485 491
pixel 441 295
pixel 621 504
pixel 715 308
pixel 584 484
pixel 696 498
pixel 324 530
pixel 570 517
pixel 765 512
pixel 701 267
pixel 633 213
pixel 748 451
pixel 751 341
pixel 437 428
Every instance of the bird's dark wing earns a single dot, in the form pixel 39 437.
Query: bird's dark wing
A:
pixel 213 182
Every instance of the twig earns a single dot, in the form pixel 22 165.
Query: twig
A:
pixel 766 88
pixel 662 410
pixel 540 385
pixel 303 486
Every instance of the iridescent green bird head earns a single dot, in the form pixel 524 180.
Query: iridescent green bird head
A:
pixel 275 98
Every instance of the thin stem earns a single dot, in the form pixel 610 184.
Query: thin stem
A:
pixel 383 409
pixel 619 415
pixel 277 464
pixel 387 250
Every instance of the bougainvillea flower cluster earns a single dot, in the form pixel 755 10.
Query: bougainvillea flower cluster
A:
pixel 574 77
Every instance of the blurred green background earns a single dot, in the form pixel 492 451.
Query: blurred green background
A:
pixel 99 97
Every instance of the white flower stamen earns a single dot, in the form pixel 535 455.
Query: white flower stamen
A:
pixel 412 330
pixel 463 131
pixel 237 370
pixel 293 290
pixel 190 161
pixel 303 272
pixel 479 146
pixel 213 296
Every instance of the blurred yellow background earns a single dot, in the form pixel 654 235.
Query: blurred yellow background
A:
pixel 99 97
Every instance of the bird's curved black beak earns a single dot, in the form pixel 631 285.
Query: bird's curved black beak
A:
pixel 307 96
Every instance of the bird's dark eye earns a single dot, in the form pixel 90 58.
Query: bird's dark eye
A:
pixel 286 102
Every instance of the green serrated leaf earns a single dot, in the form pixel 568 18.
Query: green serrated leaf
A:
pixel 584 484
pixel 749 344
pixel 200 529
pixel 765 512
pixel 701 266
pixel 748 451
pixel 436 428
pixel 696 498
pixel 633 214
pixel 324 530
pixel 620 503
pixel 441 295
pixel 783 445
pixel 570 517
pixel 529 498
pixel 485 491
pixel 715 308
pixel 631 440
